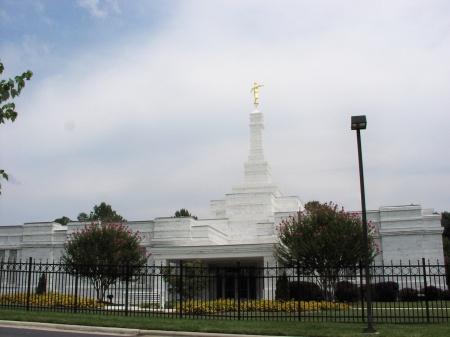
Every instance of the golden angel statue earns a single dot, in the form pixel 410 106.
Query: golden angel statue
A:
pixel 255 91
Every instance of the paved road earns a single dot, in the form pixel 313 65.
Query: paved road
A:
pixel 24 332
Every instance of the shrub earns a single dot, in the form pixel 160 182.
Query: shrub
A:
pixel 385 291
pixel 42 285
pixel 282 292
pixel 431 293
pixel 305 291
pixel 231 305
pixel 408 295
pixel 49 300
pixel 445 295
pixel 346 292
pixel 362 292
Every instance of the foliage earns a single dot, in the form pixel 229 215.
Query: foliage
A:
pixel 49 300
pixel 232 305
pixel 63 220
pixel 312 203
pixel 282 292
pixel 431 293
pixel 346 292
pixel 445 222
pixel 445 295
pixel 184 213
pixel 385 291
pixel 83 217
pixel 408 295
pixel 305 291
pixel 195 279
pixel 104 253
pixel 42 285
pixel 446 245
pixel 447 268
pixel 102 212
pixel 3 175
pixel 10 89
pixel 325 241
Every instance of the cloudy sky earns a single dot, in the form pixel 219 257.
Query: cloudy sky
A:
pixel 145 104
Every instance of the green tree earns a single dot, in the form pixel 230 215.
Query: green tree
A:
pixel 194 281
pixel 102 212
pixel 313 203
pixel 324 240
pixel 445 222
pixel 83 217
pixel 104 253
pixel 282 292
pixel 63 220
pixel 184 213
pixel 10 89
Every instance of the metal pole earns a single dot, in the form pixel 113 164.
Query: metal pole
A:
pixel 127 287
pixel 370 328
pixel 30 267
pixel 181 288
pixel 427 305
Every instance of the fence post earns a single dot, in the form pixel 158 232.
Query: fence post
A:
pixel 29 283
pixel 76 290
pixel 181 288
pixel 297 291
pixel 238 289
pixel 426 289
pixel 127 284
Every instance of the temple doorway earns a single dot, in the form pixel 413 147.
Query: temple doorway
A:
pixel 236 282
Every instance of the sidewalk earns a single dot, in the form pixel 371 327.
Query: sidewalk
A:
pixel 112 331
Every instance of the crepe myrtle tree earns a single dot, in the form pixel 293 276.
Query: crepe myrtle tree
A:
pixel 326 241
pixel 104 253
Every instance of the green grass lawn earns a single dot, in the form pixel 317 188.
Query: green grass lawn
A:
pixel 267 327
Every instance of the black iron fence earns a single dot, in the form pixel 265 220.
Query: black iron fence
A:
pixel 404 293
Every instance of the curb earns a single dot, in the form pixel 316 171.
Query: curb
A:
pixel 112 331
pixel 68 327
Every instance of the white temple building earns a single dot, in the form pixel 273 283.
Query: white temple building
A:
pixel 242 226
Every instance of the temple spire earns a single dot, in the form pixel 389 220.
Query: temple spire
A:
pixel 257 170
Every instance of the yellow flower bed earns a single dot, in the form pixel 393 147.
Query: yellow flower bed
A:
pixel 212 307
pixel 50 300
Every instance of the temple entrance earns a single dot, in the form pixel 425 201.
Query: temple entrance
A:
pixel 232 282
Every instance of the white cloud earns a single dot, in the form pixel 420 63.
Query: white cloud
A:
pixel 99 8
pixel 158 120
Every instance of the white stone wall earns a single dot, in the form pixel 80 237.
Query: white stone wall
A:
pixel 408 233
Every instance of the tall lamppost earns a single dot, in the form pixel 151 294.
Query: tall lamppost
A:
pixel 360 123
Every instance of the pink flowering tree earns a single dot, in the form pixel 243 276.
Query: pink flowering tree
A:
pixel 104 253
pixel 325 241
